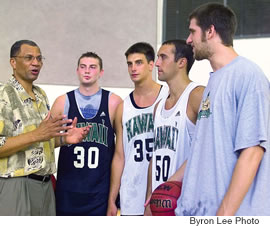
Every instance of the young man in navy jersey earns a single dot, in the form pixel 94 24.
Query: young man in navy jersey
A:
pixel 83 175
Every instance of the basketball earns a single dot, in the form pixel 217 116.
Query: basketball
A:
pixel 164 199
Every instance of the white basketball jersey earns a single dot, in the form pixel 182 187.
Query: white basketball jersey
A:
pixel 172 133
pixel 138 141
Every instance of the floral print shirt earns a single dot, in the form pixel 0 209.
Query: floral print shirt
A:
pixel 20 113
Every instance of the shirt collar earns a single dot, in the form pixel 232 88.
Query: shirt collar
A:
pixel 22 93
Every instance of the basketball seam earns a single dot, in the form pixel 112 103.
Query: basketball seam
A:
pixel 165 195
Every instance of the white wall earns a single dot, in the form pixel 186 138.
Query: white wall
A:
pixel 65 29
pixel 257 50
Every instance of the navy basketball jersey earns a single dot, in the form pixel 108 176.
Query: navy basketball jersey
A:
pixel 83 176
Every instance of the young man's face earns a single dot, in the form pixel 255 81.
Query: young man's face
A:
pixel 167 67
pixel 197 39
pixel 138 67
pixel 27 63
pixel 89 71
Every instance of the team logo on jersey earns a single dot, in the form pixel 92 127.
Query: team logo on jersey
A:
pixel 205 111
pixel 166 137
pixel 98 132
pixel 139 124
pixel 102 114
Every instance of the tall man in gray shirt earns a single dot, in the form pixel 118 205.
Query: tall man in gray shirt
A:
pixel 228 170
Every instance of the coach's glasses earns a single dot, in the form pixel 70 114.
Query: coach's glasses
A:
pixel 30 58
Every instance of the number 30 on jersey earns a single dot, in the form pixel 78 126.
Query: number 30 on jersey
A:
pixel 92 160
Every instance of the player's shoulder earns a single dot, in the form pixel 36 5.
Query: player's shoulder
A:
pixel 195 98
pixel 197 92
pixel 58 104
pixel 120 106
pixel 61 98
pixel 114 99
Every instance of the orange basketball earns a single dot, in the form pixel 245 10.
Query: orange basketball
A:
pixel 164 199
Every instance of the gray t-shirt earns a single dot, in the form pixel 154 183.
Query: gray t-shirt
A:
pixel 234 114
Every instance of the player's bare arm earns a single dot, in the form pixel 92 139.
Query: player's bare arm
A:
pixel 118 163
pixel 194 102
pixel 179 174
pixel 243 176
pixel 58 109
pixel 147 211
pixel 114 101
pixel 58 106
